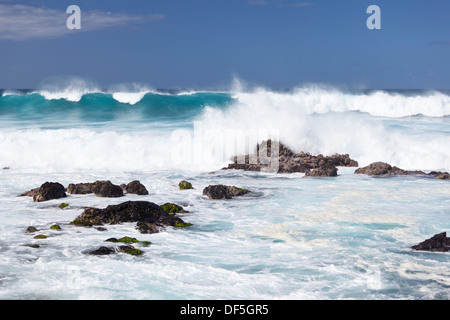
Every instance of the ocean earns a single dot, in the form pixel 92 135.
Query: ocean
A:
pixel 296 238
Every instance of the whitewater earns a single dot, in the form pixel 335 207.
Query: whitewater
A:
pixel 344 237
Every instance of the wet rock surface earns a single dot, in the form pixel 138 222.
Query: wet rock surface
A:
pixel 438 243
pixel 100 188
pixel 273 156
pixel 47 191
pixel 221 191
pixel 148 215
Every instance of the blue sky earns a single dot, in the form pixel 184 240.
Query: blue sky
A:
pixel 203 44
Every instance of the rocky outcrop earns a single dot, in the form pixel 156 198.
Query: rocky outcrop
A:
pixel 47 191
pixel 382 168
pixel 148 215
pixel 438 243
pixel 135 187
pixel 223 192
pixel 440 175
pixel 99 188
pixel 325 171
pixel 286 161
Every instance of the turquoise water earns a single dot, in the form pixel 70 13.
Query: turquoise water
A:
pixel 347 237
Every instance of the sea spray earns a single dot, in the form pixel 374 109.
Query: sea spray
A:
pixel 134 127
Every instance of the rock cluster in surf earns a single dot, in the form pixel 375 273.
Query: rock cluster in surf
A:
pixel 289 162
pixel 151 218
pixel 148 216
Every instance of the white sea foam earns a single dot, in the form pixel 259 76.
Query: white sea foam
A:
pixel 319 121
pixel 322 99
pixel 68 88
pixel 129 93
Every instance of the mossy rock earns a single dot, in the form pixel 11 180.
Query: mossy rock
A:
pixel 31 229
pixel 130 250
pixel 149 216
pixel 223 192
pixel 173 208
pixel 63 205
pixel 184 185
pixel 41 236
pixel 55 227
pixel 128 240
pixel 34 246
pixel 123 239
pixel 183 225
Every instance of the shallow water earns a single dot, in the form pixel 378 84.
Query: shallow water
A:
pixel 300 238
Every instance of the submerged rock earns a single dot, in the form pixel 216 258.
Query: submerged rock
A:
pixel 221 191
pixel 148 215
pixel 63 205
pixel 128 240
pixel 31 229
pixel 129 250
pixel 272 156
pixel 438 243
pixel 101 251
pixel 100 188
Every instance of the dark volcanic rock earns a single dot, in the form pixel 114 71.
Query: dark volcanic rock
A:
pixel 102 251
pixel 286 161
pixel 107 251
pixel 382 168
pixel 439 242
pixel 440 175
pixel 223 192
pixel 146 227
pixel 325 171
pixel 31 229
pixel 49 191
pixel 30 193
pixel 99 188
pixel 148 215
pixel 135 187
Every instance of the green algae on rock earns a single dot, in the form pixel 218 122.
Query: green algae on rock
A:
pixel 173 208
pixel 221 191
pixel 184 185
pixel 148 215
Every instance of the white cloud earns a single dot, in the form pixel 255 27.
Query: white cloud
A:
pixel 21 22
